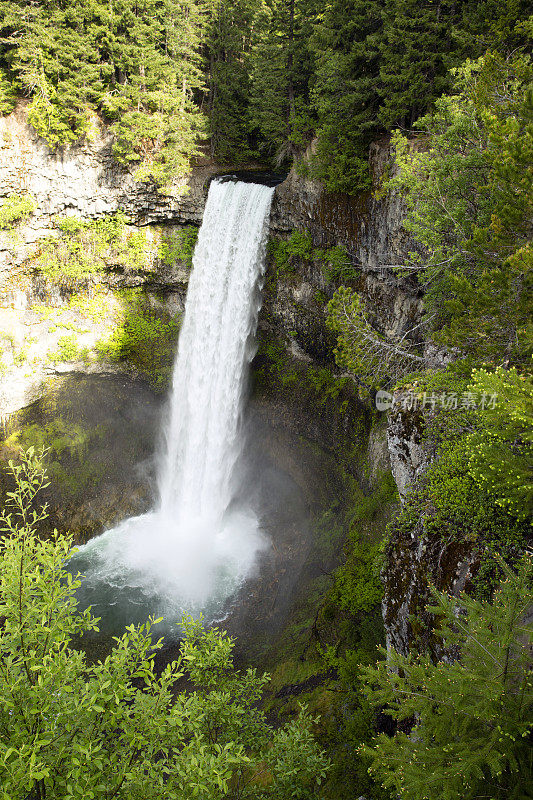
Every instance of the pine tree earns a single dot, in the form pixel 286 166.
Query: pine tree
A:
pixel 280 78
pixel 229 44
pixel 346 92
pixel 137 62
pixel 469 200
pixel 417 49
pixel 469 719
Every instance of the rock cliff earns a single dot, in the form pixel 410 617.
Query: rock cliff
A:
pixel 86 182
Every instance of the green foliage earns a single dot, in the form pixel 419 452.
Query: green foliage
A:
pixel 337 266
pixel 8 95
pixel 90 306
pixel 346 92
pixel 67 445
pixel 470 719
pixel 178 246
pixel 86 247
pixel 323 388
pixel 477 488
pixel 230 38
pixel 115 728
pixel 468 187
pixel 145 338
pixel 357 584
pixel 68 349
pixel 280 76
pixel 138 63
pixel 382 65
pixel 260 79
pixel 352 720
pixel 15 208
pixel 372 357
pixel 358 588
pixel 501 450
pixel 287 254
pixel 416 48
pixel 468 190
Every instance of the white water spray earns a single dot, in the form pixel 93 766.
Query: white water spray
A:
pixel 194 550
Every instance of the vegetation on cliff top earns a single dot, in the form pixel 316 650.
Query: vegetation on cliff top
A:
pixel 249 79
pixel 468 187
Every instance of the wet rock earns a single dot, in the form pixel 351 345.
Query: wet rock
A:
pixel 408 456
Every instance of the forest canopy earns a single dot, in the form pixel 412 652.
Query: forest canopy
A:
pixel 247 80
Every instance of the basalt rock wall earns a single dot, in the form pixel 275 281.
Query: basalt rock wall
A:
pixel 369 229
pixel 85 181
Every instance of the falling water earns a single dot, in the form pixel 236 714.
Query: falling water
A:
pixel 195 548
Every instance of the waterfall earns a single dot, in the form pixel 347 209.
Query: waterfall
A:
pixel 195 548
pixel 202 438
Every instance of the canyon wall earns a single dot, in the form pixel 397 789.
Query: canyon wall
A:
pixel 85 182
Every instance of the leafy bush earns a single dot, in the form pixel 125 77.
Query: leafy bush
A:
pixel 68 349
pixel 15 208
pixel 287 253
pixel 179 246
pixel 373 358
pixel 86 247
pixel 501 450
pixel 116 729
pixel 477 488
pixel 145 338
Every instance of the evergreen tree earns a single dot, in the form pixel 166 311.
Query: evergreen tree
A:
pixel 469 718
pixel 280 75
pixel 346 92
pixel 229 43
pixel 470 199
pixel 416 50
pixel 137 62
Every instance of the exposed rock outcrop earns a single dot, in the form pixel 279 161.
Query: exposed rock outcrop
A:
pixel 417 559
pixel 370 230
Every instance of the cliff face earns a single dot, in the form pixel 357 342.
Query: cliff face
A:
pixel 83 182
pixel 416 559
pixel 86 182
pixel 369 229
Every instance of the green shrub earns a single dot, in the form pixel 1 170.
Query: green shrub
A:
pixel 477 488
pixel 114 728
pixel 179 246
pixel 68 349
pixel 145 338
pixel 286 254
pixel 15 208
pixel 87 247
